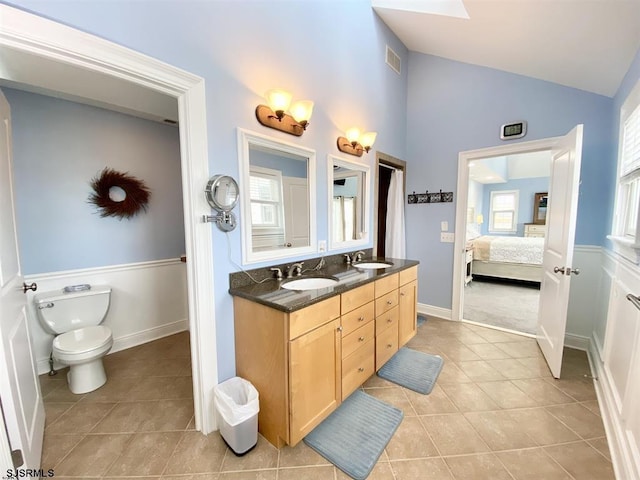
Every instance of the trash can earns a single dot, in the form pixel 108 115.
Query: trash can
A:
pixel 237 406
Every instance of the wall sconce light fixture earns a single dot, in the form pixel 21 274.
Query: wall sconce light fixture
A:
pixel 274 114
pixel 354 143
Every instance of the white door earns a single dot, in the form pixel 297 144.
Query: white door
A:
pixel 296 208
pixel 558 248
pixel 22 406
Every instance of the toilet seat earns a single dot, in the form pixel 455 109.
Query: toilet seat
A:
pixel 83 340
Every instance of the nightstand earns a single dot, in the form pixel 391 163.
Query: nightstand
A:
pixel 468 256
pixel 534 230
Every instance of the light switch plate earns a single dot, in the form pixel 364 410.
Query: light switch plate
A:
pixel 322 246
pixel 444 226
pixel 447 237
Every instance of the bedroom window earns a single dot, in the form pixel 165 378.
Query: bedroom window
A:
pixel 626 228
pixel 503 216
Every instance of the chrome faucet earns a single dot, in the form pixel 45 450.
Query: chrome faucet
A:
pixel 357 257
pixel 295 270
pixel 277 273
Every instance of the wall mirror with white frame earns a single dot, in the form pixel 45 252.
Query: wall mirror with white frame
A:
pixel 349 202
pixel 278 198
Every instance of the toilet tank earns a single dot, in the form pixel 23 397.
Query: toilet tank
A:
pixel 60 312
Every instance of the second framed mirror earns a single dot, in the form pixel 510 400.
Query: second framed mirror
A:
pixel 349 203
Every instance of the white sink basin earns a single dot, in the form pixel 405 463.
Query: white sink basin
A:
pixel 373 265
pixel 310 283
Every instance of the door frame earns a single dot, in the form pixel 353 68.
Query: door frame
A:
pixel 30 34
pixel 390 161
pixel 461 207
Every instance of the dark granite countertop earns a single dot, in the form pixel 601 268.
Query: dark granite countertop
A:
pixel 271 293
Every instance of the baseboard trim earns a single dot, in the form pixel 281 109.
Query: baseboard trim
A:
pixel 433 311
pixel 129 341
pixel 578 342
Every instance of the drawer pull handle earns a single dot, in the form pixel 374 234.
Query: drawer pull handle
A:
pixel 360 319
pixel 339 329
pixel 389 345
pixel 361 339
pixel 389 320
pixel 402 294
pixel 361 369
pixel 389 302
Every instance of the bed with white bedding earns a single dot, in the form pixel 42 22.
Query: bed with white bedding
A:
pixel 516 258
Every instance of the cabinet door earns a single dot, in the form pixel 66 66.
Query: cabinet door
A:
pixel 315 378
pixel 407 322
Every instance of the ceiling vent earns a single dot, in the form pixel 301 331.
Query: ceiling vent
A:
pixel 393 60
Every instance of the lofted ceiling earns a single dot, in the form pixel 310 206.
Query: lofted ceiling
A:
pixel 584 44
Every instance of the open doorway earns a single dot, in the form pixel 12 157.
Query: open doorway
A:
pixel 385 167
pixel 505 229
pixel 101 65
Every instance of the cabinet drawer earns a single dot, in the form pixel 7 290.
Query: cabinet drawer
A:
pixel 305 320
pixel 386 302
pixel 386 345
pixel 387 319
pixel 356 297
pixel 353 341
pixel 358 317
pixel 408 275
pixel 357 368
pixel 386 284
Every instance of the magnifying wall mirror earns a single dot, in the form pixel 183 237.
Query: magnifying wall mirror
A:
pixel 348 203
pixel 221 193
pixel 278 187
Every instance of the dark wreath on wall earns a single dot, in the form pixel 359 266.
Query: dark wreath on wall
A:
pixel 136 194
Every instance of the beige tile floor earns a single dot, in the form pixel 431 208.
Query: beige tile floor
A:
pixel 495 413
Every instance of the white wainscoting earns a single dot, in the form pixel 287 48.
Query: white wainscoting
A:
pixel 615 357
pixel 148 301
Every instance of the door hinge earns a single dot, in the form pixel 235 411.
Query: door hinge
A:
pixel 17 458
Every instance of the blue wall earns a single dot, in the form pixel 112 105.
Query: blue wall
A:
pixel 455 107
pixel 329 52
pixel 287 166
pixel 527 188
pixel 58 147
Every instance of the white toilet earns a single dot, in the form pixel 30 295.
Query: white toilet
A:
pixel 80 341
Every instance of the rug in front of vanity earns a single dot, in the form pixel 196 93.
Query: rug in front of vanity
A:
pixel 414 370
pixel 354 436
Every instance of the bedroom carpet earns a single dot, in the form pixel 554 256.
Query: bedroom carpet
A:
pixel 505 305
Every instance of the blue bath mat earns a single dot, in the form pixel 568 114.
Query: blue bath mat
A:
pixel 414 370
pixel 354 436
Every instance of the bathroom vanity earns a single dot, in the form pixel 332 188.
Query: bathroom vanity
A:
pixel 306 351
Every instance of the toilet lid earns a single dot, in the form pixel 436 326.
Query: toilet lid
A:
pixel 82 340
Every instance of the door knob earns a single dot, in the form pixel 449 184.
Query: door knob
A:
pixel 26 287
pixel 566 270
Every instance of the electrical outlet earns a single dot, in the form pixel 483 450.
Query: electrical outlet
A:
pixel 447 237
pixel 322 246
pixel 444 226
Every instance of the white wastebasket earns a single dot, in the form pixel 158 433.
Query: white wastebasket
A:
pixel 237 406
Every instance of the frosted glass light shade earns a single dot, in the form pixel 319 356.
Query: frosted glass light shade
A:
pixel 302 110
pixel 368 139
pixel 353 135
pixel 278 99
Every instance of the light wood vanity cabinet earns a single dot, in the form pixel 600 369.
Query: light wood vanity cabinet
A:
pixel 407 305
pixel 295 362
pixel 358 337
pixel 304 363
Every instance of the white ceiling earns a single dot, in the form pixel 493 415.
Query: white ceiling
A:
pixel 585 44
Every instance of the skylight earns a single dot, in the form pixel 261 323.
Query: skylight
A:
pixel 449 8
